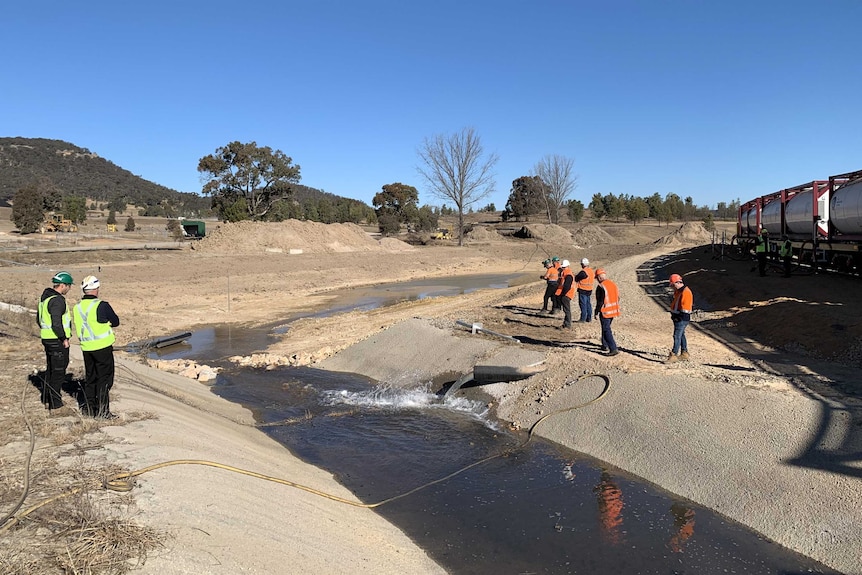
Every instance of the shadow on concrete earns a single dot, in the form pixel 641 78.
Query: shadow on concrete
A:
pixel 836 446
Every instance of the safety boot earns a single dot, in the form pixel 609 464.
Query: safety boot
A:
pixel 672 358
pixel 683 355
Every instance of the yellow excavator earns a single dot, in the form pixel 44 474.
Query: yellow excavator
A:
pixel 441 234
pixel 57 223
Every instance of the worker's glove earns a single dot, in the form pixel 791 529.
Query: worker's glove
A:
pixel 596 315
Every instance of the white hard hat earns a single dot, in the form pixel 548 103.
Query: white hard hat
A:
pixel 585 262
pixel 565 263
pixel 90 283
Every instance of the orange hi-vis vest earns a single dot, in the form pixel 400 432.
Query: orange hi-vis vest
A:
pixel 611 305
pixel 553 274
pixel 683 300
pixel 571 292
pixel 587 284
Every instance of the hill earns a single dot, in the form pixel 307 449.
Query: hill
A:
pixel 78 171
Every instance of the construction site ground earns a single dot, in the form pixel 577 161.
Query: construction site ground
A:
pixel 762 424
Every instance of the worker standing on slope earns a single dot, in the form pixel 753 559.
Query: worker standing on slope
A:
pixel 607 308
pixel 94 323
pixel 566 291
pixel 551 277
pixel 680 313
pixel 584 281
pixel 55 329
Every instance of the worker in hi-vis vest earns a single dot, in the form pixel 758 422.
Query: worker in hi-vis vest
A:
pixel 94 323
pixel 55 329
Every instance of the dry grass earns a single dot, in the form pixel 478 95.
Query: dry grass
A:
pixel 80 528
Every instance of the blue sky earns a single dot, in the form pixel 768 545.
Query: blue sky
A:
pixel 718 100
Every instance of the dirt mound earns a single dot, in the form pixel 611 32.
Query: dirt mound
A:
pixel 483 234
pixel 591 235
pixel 690 233
pixel 544 232
pixel 310 237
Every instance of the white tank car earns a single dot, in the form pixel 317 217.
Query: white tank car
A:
pixel 845 210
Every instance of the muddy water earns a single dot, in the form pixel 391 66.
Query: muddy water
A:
pixel 218 342
pixel 539 508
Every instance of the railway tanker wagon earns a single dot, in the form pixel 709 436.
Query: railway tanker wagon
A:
pixel 845 225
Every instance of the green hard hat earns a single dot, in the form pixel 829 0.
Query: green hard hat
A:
pixel 555 259
pixel 62 278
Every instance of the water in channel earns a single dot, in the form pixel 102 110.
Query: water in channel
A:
pixel 537 508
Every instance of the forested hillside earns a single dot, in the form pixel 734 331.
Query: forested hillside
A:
pixel 75 171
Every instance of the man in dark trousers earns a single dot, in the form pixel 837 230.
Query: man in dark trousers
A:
pixel 94 320
pixel 761 249
pixel 607 308
pixel 584 282
pixel 55 329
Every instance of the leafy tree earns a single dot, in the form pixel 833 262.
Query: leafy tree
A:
pixel 708 222
pixel 665 214
pixel 257 175
pixel 27 209
pixel 112 217
pixel 674 203
pixel 75 208
pixel 130 224
pixel 456 168
pixel 597 207
pixel 388 224
pixel 118 204
pixel 556 172
pixel 235 211
pixel 527 197
pixel 636 210
pixel 396 201
pixel 654 202
pixel 614 206
pixel 427 219
pixel 575 210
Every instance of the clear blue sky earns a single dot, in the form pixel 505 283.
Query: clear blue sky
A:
pixel 714 99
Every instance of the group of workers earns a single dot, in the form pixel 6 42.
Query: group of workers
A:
pixel 562 284
pixel 94 320
pixel 763 249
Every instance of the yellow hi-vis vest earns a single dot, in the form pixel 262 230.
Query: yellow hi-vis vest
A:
pixel 46 331
pixel 92 334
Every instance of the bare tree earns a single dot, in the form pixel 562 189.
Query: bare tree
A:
pixel 560 182
pixel 457 169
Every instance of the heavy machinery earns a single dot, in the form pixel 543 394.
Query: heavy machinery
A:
pixel 57 223
pixel 822 219
pixel 441 234
pixel 193 229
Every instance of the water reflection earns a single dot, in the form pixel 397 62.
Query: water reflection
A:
pixel 683 524
pixel 610 499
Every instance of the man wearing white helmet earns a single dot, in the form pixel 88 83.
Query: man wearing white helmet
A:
pixel 94 323
pixel 566 291
pixel 584 281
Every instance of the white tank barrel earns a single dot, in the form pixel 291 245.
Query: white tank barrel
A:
pixel 798 213
pixel 770 218
pixel 749 220
pixel 845 209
